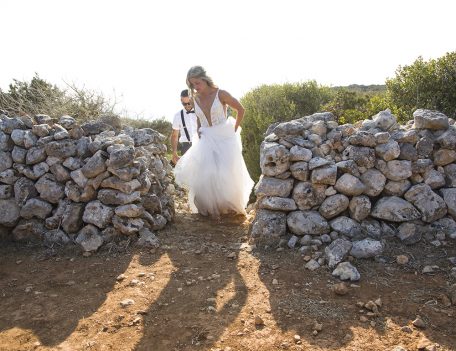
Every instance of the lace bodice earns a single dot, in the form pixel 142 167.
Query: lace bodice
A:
pixel 217 112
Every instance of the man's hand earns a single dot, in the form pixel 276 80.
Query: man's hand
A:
pixel 175 158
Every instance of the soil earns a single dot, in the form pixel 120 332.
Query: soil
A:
pixel 206 288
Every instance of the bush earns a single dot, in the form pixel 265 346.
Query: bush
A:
pixel 424 84
pixel 275 103
pixel 40 97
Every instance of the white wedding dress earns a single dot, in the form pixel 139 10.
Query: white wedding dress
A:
pixel 213 169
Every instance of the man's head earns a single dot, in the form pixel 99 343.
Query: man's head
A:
pixel 185 100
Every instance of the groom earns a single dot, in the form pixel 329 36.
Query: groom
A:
pixel 184 123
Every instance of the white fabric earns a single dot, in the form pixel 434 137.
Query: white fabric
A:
pixel 190 123
pixel 213 169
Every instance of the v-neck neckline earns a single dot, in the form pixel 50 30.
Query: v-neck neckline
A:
pixel 210 109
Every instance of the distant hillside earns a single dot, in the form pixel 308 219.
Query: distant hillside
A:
pixel 373 88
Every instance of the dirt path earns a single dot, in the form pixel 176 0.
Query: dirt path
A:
pixel 206 289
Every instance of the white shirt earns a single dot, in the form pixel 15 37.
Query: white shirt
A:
pixel 190 123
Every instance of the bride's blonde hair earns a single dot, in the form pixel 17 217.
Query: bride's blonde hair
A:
pixel 198 72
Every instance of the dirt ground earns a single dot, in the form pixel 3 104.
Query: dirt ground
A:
pixel 206 288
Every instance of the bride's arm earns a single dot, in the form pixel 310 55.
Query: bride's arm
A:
pixel 227 99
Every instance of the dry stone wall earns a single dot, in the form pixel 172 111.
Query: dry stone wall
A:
pixel 87 184
pixel 349 188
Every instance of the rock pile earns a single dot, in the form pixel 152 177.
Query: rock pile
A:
pixel 91 183
pixel 352 187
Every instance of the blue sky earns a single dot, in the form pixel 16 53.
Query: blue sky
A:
pixel 139 51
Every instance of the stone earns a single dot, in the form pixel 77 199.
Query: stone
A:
pixel 333 205
pixel 324 175
pixel 444 157
pixel 60 173
pixel 36 208
pixel 427 119
pixel 300 170
pixel 24 189
pixel 95 165
pixel 337 251
pixel 289 128
pixel 450 175
pixel 41 130
pixel 312 265
pixel 431 205
pixel 127 226
pixel 398 170
pixel 408 152
pixel 317 162
pixel 307 222
pixel 67 122
pixel 346 271
pixel 372 228
pixel 348 166
pixel 349 185
pixel 61 148
pixel 6 161
pixel 424 147
pixel 366 248
pixel 122 157
pixel 18 154
pixel 359 207
pixel 6 191
pixel 269 224
pixel 151 203
pixel 388 151
pixel 146 136
pixel 395 209
pixel 434 179
pixel 449 197
pixel 130 210
pixel 274 159
pixel 393 188
pixel 89 238
pixel 308 195
pixel 9 212
pixel 346 226
pixel 276 203
pixel 98 214
pixel 49 189
pixel 35 155
pixel 448 139
pixel 362 138
pixel 117 184
pixel 55 236
pixel 409 136
pixel 409 233
pixel 374 180
pixel 73 163
pixel 298 153
pixel 147 239
pixel 72 217
pixel 29 230
pixel 268 186
pixel 384 120
pixel 363 156
pixel 156 221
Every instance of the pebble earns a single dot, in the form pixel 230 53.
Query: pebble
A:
pixel 231 255
pixel 419 323
pixel 402 259
pixel 127 302
pixel 407 329
pixel 121 277
pixel 259 321
pixel 340 289
pixel 275 282
pixel 430 269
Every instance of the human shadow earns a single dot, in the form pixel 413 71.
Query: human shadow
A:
pixel 49 292
pixel 205 293
pixel 300 298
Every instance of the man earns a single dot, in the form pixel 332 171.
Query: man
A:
pixel 184 123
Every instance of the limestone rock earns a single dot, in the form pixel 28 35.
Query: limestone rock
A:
pixel 307 222
pixel 269 224
pixel 276 203
pixel 89 238
pixel 337 251
pixel 366 248
pixel 427 119
pixel 431 205
pixel 333 205
pixel 307 195
pixel 268 186
pixel 395 209
pixel 346 271
pixel 98 214
pixel 274 159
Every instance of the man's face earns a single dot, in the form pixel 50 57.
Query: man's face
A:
pixel 186 103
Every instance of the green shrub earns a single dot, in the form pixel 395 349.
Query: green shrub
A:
pixel 267 104
pixel 424 84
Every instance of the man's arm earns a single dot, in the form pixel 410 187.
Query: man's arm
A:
pixel 174 141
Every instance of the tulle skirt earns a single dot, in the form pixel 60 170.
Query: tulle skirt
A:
pixel 214 172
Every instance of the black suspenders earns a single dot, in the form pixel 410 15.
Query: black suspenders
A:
pixel 184 126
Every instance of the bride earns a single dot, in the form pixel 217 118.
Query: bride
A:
pixel 213 169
